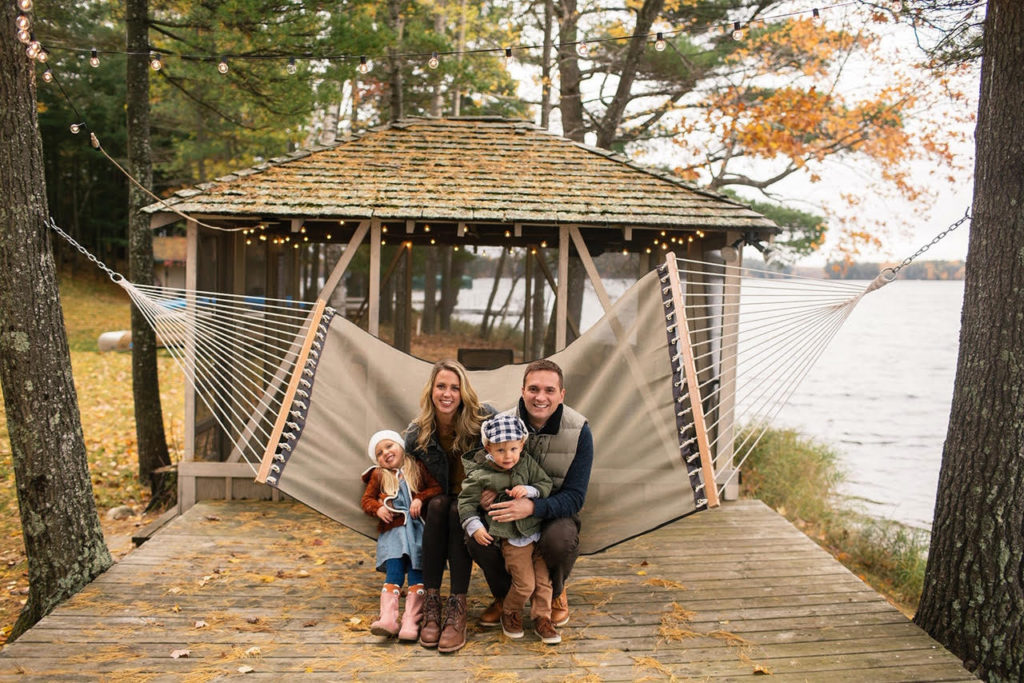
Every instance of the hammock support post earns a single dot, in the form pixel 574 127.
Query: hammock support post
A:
pixel 282 417
pixel 690 369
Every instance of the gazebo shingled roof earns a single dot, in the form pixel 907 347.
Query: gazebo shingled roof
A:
pixel 470 170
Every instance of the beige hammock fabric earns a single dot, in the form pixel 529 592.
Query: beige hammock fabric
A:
pixel 620 374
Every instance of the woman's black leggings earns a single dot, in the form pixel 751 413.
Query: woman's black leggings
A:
pixel 444 540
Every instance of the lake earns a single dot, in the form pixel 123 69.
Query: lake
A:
pixel 880 393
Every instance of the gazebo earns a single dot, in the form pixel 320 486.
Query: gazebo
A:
pixel 429 183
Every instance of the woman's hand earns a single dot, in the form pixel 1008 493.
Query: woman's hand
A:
pixel 385 515
pixel 487 497
pixel 482 537
pixel 415 507
pixel 511 510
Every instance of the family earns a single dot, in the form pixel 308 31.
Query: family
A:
pixel 468 485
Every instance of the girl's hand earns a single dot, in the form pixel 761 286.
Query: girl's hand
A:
pixel 482 537
pixel 385 515
pixel 517 492
pixel 415 507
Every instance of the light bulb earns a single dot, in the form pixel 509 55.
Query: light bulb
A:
pixel 816 16
pixel 43 55
pixel 508 56
pixel 737 31
pixel 48 76
pixel 24 36
pixel 659 42
pixel 76 128
pixel 292 66
pixel 434 61
pixel 94 58
pixel 25 5
pixel 364 66
pixel 22 22
pixel 582 49
pixel 155 62
pixel 222 65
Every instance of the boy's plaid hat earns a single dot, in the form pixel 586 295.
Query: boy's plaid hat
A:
pixel 503 428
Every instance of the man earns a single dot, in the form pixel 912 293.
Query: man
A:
pixel 559 438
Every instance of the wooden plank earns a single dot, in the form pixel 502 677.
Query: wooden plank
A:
pixel 226 577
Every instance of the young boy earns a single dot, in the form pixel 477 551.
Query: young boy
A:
pixel 510 472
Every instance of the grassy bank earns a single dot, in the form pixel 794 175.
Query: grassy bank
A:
pixel 798 477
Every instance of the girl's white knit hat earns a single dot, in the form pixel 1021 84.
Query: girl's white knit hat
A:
pixel 383 435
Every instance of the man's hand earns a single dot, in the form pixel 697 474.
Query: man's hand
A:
pixel 511 510
pixel 487 497
pixel 482 537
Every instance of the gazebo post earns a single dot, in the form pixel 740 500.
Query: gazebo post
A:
pixel 373 326
pixel 562 301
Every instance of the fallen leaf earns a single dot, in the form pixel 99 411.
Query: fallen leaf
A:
pixel 317 541
pixel 253 652
pixel 201 624
pixel 641 573
pixel 253 620
pixel 762 670
pixel 311 622
pixel 175 609
pixel 178 654
pixel 320 560
pixel 302 574
pixel 355 620
pixel 245 669
pixel 212 518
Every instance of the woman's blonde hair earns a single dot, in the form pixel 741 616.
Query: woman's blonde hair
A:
pixel 410 471
pixel 467 418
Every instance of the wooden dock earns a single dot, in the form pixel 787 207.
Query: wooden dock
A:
pixel 274 591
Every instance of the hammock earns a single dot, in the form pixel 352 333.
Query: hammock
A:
pixel 679 380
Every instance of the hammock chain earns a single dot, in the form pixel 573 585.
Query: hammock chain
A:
pixel 116 277
pixel 892 272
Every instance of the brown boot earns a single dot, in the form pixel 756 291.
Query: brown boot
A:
pixel 560 610
pixel 453 635
pixel 430 630
pixel 492 615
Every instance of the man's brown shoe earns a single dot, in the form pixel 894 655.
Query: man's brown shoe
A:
pixel 492 615
pixel 560 610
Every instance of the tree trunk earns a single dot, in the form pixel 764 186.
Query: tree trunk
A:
pixel 149 421
pixel 485 323
pixel 974 582
pixel 545 66
pixel 395 64
pixel 540 284
pixel 61 530
pixel 570 101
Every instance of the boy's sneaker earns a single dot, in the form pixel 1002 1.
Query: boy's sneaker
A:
pixel 512 624
pixel 546 630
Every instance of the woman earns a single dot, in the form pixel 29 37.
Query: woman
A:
pixel 447 427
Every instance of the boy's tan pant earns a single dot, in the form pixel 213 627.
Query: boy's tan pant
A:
pixel 529 580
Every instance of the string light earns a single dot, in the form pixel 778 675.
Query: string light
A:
pixel 43 54
pixel 364 66
pixel 816 16
pixel 737 31
pixel 48 75
pixel 76 128
pixel 433 62
pixel 24 36
pixel 22 22
pixel 508 56
pixel 94 58
pixel 222 65
pixel 155 61
pixel 34 46
pixel 582 49
pixel 292 66
pixel 25 5
pixel 659 42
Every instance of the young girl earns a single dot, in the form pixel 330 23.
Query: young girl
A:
pixel 397 487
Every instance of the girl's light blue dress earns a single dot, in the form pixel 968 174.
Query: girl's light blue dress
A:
pixel 405 540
